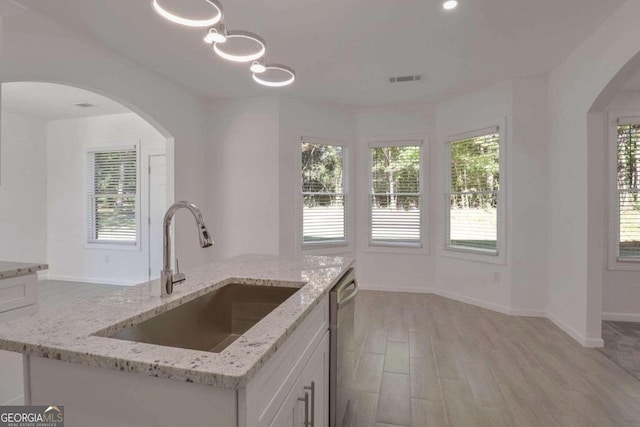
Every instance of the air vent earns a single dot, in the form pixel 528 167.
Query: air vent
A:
pixel 83 104
pixel 404 79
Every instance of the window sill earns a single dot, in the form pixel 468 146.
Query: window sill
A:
pixel 113 247
pixel 624 264
pixel 474 255
pixel 397 248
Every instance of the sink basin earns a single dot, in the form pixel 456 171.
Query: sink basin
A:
pixel 210 322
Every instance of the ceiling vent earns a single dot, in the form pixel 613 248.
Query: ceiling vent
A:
pixel 405 79
pixel 83 104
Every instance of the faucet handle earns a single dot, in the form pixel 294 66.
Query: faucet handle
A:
pixel 178 277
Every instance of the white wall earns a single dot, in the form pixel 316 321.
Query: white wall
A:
pixel 575 255
pixel 404 271
pixel 244 164
pixel 253 169
pixel 23 195
pixel 299 119
pixel 67 141
pixel 69 58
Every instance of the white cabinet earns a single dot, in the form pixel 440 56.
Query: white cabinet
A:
pixel 307 404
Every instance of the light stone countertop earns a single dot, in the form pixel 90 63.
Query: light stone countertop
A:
pixel 15 269
pixel 69 333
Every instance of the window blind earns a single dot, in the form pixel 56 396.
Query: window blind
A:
pixel 323 193
pixel 474 184
pixel 395 198
pixel 628 188
pixel 112 196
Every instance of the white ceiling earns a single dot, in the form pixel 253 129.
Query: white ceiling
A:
pixel 49 101
pixel 345 50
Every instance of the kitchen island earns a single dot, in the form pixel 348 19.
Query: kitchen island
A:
pixel 265 377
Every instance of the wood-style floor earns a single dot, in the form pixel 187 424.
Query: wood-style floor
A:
pixel 429 361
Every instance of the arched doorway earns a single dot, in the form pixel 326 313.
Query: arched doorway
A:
pixel 102 173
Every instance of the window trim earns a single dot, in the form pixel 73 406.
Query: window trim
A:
pixel 337 246
pixel 112 245
pixel 470 254
pixel 615 118
pixel 411 140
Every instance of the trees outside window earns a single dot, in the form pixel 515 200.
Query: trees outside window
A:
pixel 395 198
pixel 474 190
pixel 628 189
pixel 323 194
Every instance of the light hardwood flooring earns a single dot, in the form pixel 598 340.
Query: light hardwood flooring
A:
pixel 428 361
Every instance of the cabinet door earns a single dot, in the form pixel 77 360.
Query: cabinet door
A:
pixel 315 381
pixel 291 413
pixel 307 404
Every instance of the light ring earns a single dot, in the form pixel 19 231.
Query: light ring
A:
pixel 280 83
pixel 244 35
pixel 187 21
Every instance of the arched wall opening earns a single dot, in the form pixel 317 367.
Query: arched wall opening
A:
pixel 182 116
pixel 51 151
pixel 577 88
pixel 613 211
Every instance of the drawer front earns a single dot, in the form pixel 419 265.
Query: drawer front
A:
pixel 17 292
pixel 266 392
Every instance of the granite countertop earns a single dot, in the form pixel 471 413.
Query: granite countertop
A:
pixel 77 334
pixel 15 269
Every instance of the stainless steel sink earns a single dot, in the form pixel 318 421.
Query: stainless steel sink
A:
pixel 210 322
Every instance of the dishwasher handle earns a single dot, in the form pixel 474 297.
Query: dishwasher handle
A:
pixel 342 300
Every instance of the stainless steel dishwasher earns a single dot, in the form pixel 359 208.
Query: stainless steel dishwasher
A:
pixel 342 348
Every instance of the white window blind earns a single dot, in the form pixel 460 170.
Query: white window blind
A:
pixel 628 188
pixel 395 198
pixel 474 185
pixel 323 194
pixel 112 196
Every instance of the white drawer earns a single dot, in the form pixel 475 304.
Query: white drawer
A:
pixel 17 292
pixel 266 392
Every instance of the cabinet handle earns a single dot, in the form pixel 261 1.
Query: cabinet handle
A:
pixel 312 422
pixel 305 399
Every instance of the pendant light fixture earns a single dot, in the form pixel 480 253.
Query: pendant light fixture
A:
pixel 216 34
pixel 263 79
pixel 189 22
pixel 258 66
pixel 261 46
pixel 273 75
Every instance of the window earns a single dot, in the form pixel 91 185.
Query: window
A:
pixel 395 194
pixel 323 194
pixel 474 192
pixel 112 196
pixel 628 189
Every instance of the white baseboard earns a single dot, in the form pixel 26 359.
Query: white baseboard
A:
pixel 99 281
pixel 621 317
pixel 584 341
pixel 18 401
pixel 403 289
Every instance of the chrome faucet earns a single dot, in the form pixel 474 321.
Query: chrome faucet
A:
pixel 167 277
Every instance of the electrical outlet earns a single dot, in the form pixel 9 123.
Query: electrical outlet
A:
pixel 107 259
pixel 496 277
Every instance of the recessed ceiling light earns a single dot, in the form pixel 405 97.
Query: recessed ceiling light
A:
pixel 450 4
